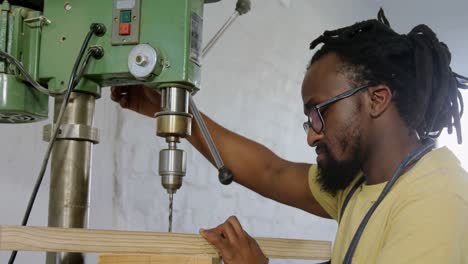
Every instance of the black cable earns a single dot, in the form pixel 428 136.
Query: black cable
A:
pixel 95 52
pixel 28 77
pixel 55 131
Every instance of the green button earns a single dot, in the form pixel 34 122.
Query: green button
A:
pixel 126 16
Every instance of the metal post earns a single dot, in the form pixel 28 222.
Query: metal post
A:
pixel 70 170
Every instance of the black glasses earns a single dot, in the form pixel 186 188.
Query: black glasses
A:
pixel 314 117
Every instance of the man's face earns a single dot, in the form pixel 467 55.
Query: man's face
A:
pixel 338 146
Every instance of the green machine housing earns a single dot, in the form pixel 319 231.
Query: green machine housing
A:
pixel 19 103
pixel 47 44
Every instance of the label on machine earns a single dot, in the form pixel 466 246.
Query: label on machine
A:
pixel 125 4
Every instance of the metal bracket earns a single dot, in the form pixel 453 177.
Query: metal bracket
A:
pixel 73 132
pixel 43 21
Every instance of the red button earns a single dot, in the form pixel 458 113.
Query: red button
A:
pixel 125 29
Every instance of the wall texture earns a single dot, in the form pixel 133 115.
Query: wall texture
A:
pixel 251 85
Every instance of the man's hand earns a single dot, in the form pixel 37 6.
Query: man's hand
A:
pixel 138 98
pixel 234 244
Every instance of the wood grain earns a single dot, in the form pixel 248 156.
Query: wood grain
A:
pixel 112 241
pixel 156 259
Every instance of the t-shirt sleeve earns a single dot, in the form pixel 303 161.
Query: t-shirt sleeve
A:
pixel 328 202
pixel 428 229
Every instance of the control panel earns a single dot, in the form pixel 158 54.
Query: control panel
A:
pixel 126 22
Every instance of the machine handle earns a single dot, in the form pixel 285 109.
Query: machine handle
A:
pixel 243 6
pixel 225 175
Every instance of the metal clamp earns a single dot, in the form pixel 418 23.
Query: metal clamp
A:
pixel 72 131
pixel 43 21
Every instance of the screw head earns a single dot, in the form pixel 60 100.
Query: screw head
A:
pixel 141 60
pixel 67 6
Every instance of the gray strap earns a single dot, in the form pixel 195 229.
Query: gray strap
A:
pixel 350 194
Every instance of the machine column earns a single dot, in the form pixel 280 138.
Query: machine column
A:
pixel 70 169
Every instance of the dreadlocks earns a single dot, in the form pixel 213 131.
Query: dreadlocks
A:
pixel 416 66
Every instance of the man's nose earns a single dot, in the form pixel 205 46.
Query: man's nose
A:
pixel 313 137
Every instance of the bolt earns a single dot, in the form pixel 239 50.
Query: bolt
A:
pixel 141 60
pixel 67 6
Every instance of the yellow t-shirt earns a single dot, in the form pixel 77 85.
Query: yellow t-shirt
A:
pixel 423 219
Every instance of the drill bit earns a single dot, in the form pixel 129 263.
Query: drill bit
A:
pixel 171 202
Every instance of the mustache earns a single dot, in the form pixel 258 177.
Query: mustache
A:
pixel 321 147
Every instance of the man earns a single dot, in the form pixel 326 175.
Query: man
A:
pixel 373 99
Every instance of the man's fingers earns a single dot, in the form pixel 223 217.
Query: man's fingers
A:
pixel 230 233
pixel 233 243
pixel 218 230
pixel 211 235
pixel 225 237
pixel 123 101
pixel 120 95
pixel 116 93
pixel 234 222
pixel 236 225
pixel 225 230
pixel 118 89
pixel 215 238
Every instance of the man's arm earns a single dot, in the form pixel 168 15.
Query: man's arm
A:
pixel 259 169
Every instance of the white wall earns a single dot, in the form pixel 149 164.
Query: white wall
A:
pixel 251 84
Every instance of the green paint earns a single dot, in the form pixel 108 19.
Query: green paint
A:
pixel 165 25
pixel 48 52
pixel 19 102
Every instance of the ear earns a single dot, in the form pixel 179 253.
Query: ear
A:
pixel 380 99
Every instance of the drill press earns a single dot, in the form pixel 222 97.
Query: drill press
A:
pixel 156 43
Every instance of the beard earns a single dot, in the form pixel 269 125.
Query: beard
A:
pixel 335 175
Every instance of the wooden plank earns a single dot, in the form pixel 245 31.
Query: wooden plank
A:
pixel 156 259
pixel 111 241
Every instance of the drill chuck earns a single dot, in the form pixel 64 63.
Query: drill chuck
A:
pixel 172 168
